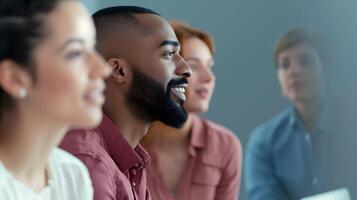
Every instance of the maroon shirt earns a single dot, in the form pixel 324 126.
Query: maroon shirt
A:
pixel 116 169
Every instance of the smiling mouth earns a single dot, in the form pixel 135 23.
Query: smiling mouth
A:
pixel 179 92
pixel 95 96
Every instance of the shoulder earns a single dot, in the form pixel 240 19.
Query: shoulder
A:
pixel 220 139
pixel 67 162
pixel 84 142
pixel 105 176
pixel 70 175
pixel 88 146
pixel 81 136
pixel 266 132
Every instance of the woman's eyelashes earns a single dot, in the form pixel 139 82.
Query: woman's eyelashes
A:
pixel 74 54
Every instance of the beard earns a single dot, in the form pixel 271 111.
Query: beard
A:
pixel 149 101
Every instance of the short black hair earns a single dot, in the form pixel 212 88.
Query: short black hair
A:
pixel 22 28
pixel 122 11
pixel 118 15
pixel 118 18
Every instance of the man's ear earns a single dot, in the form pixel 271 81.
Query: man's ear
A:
pixel 14 80
pixel 120 70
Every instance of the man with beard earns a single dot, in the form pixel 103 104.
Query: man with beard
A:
pixel 147 83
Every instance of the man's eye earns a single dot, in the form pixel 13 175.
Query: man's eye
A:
pixel 169 54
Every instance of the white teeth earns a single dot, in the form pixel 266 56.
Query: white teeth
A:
pixel 95 96
pixel 179 93
pixel 178 89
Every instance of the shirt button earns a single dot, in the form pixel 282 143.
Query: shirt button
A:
pixel 134 184
pixel 315 181
pixel 307 137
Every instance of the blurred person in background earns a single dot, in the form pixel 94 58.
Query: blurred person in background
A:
pixel 287 157
pixel 51 79
pixel 200 160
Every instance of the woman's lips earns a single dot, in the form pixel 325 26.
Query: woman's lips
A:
pixel 202 93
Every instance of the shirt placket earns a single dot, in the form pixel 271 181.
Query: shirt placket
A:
pixel 320 161
pixel 135 175
pixel 314 162
pixel 311 176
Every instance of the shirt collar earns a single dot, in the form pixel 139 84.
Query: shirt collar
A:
pixel 124 156
pixel 198 136
pixel 322 123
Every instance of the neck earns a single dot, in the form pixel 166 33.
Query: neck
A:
pixel 131 127
pixel 309 112
pixel 26 143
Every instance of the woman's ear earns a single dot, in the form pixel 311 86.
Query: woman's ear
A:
pixel 119 70
pixel 14 80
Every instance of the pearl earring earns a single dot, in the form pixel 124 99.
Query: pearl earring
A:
pixel 22 93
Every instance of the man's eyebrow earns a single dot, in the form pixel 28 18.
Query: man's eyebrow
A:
pixel 169 42
pixel 70 41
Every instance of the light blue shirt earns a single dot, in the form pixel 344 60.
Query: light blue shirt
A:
pixel 283 161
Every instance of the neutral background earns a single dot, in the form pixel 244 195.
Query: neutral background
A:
pixel 245 31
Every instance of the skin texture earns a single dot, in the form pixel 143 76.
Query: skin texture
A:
pixel 67 92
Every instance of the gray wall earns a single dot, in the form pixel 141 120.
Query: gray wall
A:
pixel 247 92
pixel 92 5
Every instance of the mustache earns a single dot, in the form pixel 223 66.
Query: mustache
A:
pixel 178 81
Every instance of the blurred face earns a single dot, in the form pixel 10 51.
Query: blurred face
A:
pixel 300 73
pixel 69 72
pixel 202 81
pixel 160 75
